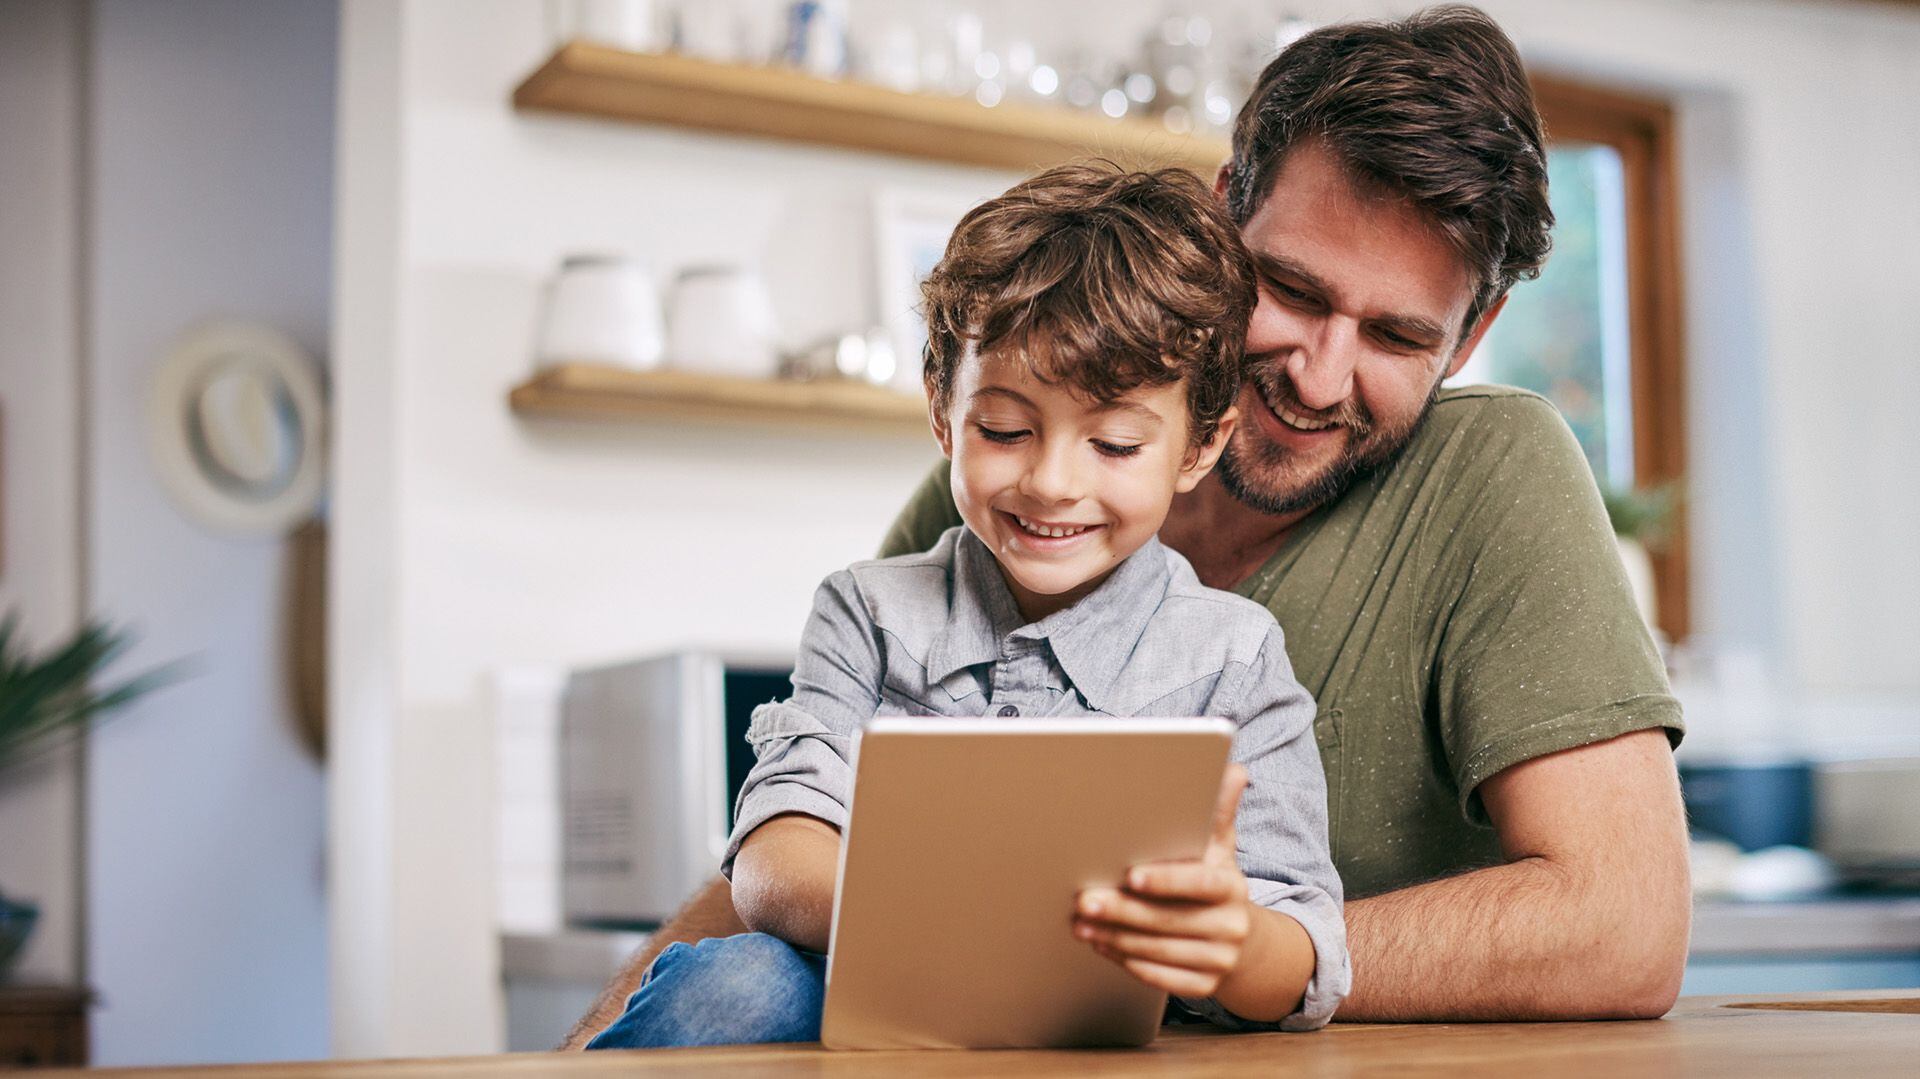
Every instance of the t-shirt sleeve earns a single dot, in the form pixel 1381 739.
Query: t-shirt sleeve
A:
pixel 803 746
pixel 1538 645
pixel 928 513
pixel 1282 831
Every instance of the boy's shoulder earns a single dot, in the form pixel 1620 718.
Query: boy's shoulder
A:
pixel 1237 625
pixel 905 591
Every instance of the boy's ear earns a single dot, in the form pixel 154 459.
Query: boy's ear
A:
pixel 1201 459
pixel 942 430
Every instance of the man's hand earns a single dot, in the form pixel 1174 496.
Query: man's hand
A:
pixel 1178 926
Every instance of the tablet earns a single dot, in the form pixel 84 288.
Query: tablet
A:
pixel 966 844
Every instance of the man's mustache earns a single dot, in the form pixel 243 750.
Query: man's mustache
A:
pixel 1277 388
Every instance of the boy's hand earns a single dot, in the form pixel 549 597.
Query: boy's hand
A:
pixel 1177 926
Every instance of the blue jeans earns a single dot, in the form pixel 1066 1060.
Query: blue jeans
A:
pixel 723 991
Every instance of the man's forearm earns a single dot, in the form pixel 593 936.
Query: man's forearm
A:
pixel 1526 940
pixel 708 914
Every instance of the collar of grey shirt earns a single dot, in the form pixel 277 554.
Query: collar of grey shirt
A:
pixel 1091 639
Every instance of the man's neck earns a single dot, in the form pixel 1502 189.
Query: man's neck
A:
pixel 1224 539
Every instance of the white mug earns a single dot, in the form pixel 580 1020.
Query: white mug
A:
pixel 720 321
pixel 602 309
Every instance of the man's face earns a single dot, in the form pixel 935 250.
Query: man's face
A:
pixel 1359 318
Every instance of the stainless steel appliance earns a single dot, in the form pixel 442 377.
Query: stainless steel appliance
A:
pixel 653 752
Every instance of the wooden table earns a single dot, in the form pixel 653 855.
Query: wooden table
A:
pixel 1870 1034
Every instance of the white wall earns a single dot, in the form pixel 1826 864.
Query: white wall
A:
pixel 211 148
pixel 468 539
pixel 40 441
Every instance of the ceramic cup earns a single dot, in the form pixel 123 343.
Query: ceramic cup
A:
pixel 601 309
pixel 720 321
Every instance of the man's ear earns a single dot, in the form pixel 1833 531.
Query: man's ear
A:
pixel 1465 352
pixel 1200 460
pixel 942 430
pixel 1220 181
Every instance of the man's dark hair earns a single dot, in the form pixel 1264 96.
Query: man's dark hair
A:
pixel 1436 110
pixel 1100 279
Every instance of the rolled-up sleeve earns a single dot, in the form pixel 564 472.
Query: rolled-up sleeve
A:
pixel 1282 832
pixel 803 745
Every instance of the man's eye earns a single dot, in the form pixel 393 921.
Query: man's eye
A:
pixel 992 435
pixel 1115 449
pixel 1292 296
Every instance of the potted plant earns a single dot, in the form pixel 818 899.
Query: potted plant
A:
pixel 45 699
pixel 1640 518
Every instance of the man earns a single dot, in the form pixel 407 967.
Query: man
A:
pixel 1493 719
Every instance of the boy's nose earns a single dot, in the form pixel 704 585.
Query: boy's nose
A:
pixel 1054 478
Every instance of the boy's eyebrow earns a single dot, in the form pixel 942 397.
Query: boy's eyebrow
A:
pixel 1001 391
pixel 1133 407
pixel 1271 265
pixel 1015 396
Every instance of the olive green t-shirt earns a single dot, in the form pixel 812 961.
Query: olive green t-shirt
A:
pixel 1456 613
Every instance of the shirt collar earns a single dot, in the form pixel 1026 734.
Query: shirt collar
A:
pixel 1092 640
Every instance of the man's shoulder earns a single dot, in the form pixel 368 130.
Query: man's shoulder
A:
pixel 1513 411
pixel 1473 433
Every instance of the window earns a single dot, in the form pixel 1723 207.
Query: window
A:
pixel 1599 333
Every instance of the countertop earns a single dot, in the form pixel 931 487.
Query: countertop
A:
pixel 1871 1034
pixel 1838 926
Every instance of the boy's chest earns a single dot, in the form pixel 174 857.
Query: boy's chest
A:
pixel 1026 680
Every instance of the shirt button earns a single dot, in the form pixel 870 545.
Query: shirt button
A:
pixel 1008 710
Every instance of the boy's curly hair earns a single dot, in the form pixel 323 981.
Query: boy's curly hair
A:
pixel 1100 278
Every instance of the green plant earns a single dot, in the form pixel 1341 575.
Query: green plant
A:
pixel 1639 514
pixel 51 694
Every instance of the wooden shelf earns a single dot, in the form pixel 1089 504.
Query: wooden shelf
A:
pixel 594 80
pixel 597 391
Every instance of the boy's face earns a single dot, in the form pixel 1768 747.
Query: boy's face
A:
pixel 1060 488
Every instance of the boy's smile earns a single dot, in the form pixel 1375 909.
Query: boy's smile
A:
pixel 1062 488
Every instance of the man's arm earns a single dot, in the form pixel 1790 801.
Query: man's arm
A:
pixel 1587 920
pixel 708 914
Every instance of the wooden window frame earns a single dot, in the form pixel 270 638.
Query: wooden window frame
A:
pixel 1641 129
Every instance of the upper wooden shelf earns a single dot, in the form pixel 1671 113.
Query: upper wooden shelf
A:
pixel 598 391
pixel 595 80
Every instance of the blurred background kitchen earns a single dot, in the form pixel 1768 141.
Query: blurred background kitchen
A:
pixel 379 369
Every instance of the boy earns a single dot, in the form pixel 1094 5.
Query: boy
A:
pixel 1085 332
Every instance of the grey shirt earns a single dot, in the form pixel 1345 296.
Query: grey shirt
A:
pixel 939 634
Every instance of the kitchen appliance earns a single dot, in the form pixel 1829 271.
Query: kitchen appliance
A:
pixel 1754 802
pixel 653 752
pixel 1868 814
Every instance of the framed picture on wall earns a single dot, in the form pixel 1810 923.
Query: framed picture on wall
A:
pixel 910 231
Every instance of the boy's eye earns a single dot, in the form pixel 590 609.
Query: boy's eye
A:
pixel 1114 449
pixel 992 435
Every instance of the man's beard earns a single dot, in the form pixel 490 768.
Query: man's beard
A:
pixel 1370 446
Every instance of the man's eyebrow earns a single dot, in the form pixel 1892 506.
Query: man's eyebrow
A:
pixel 1271 265
pixel 1410 326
